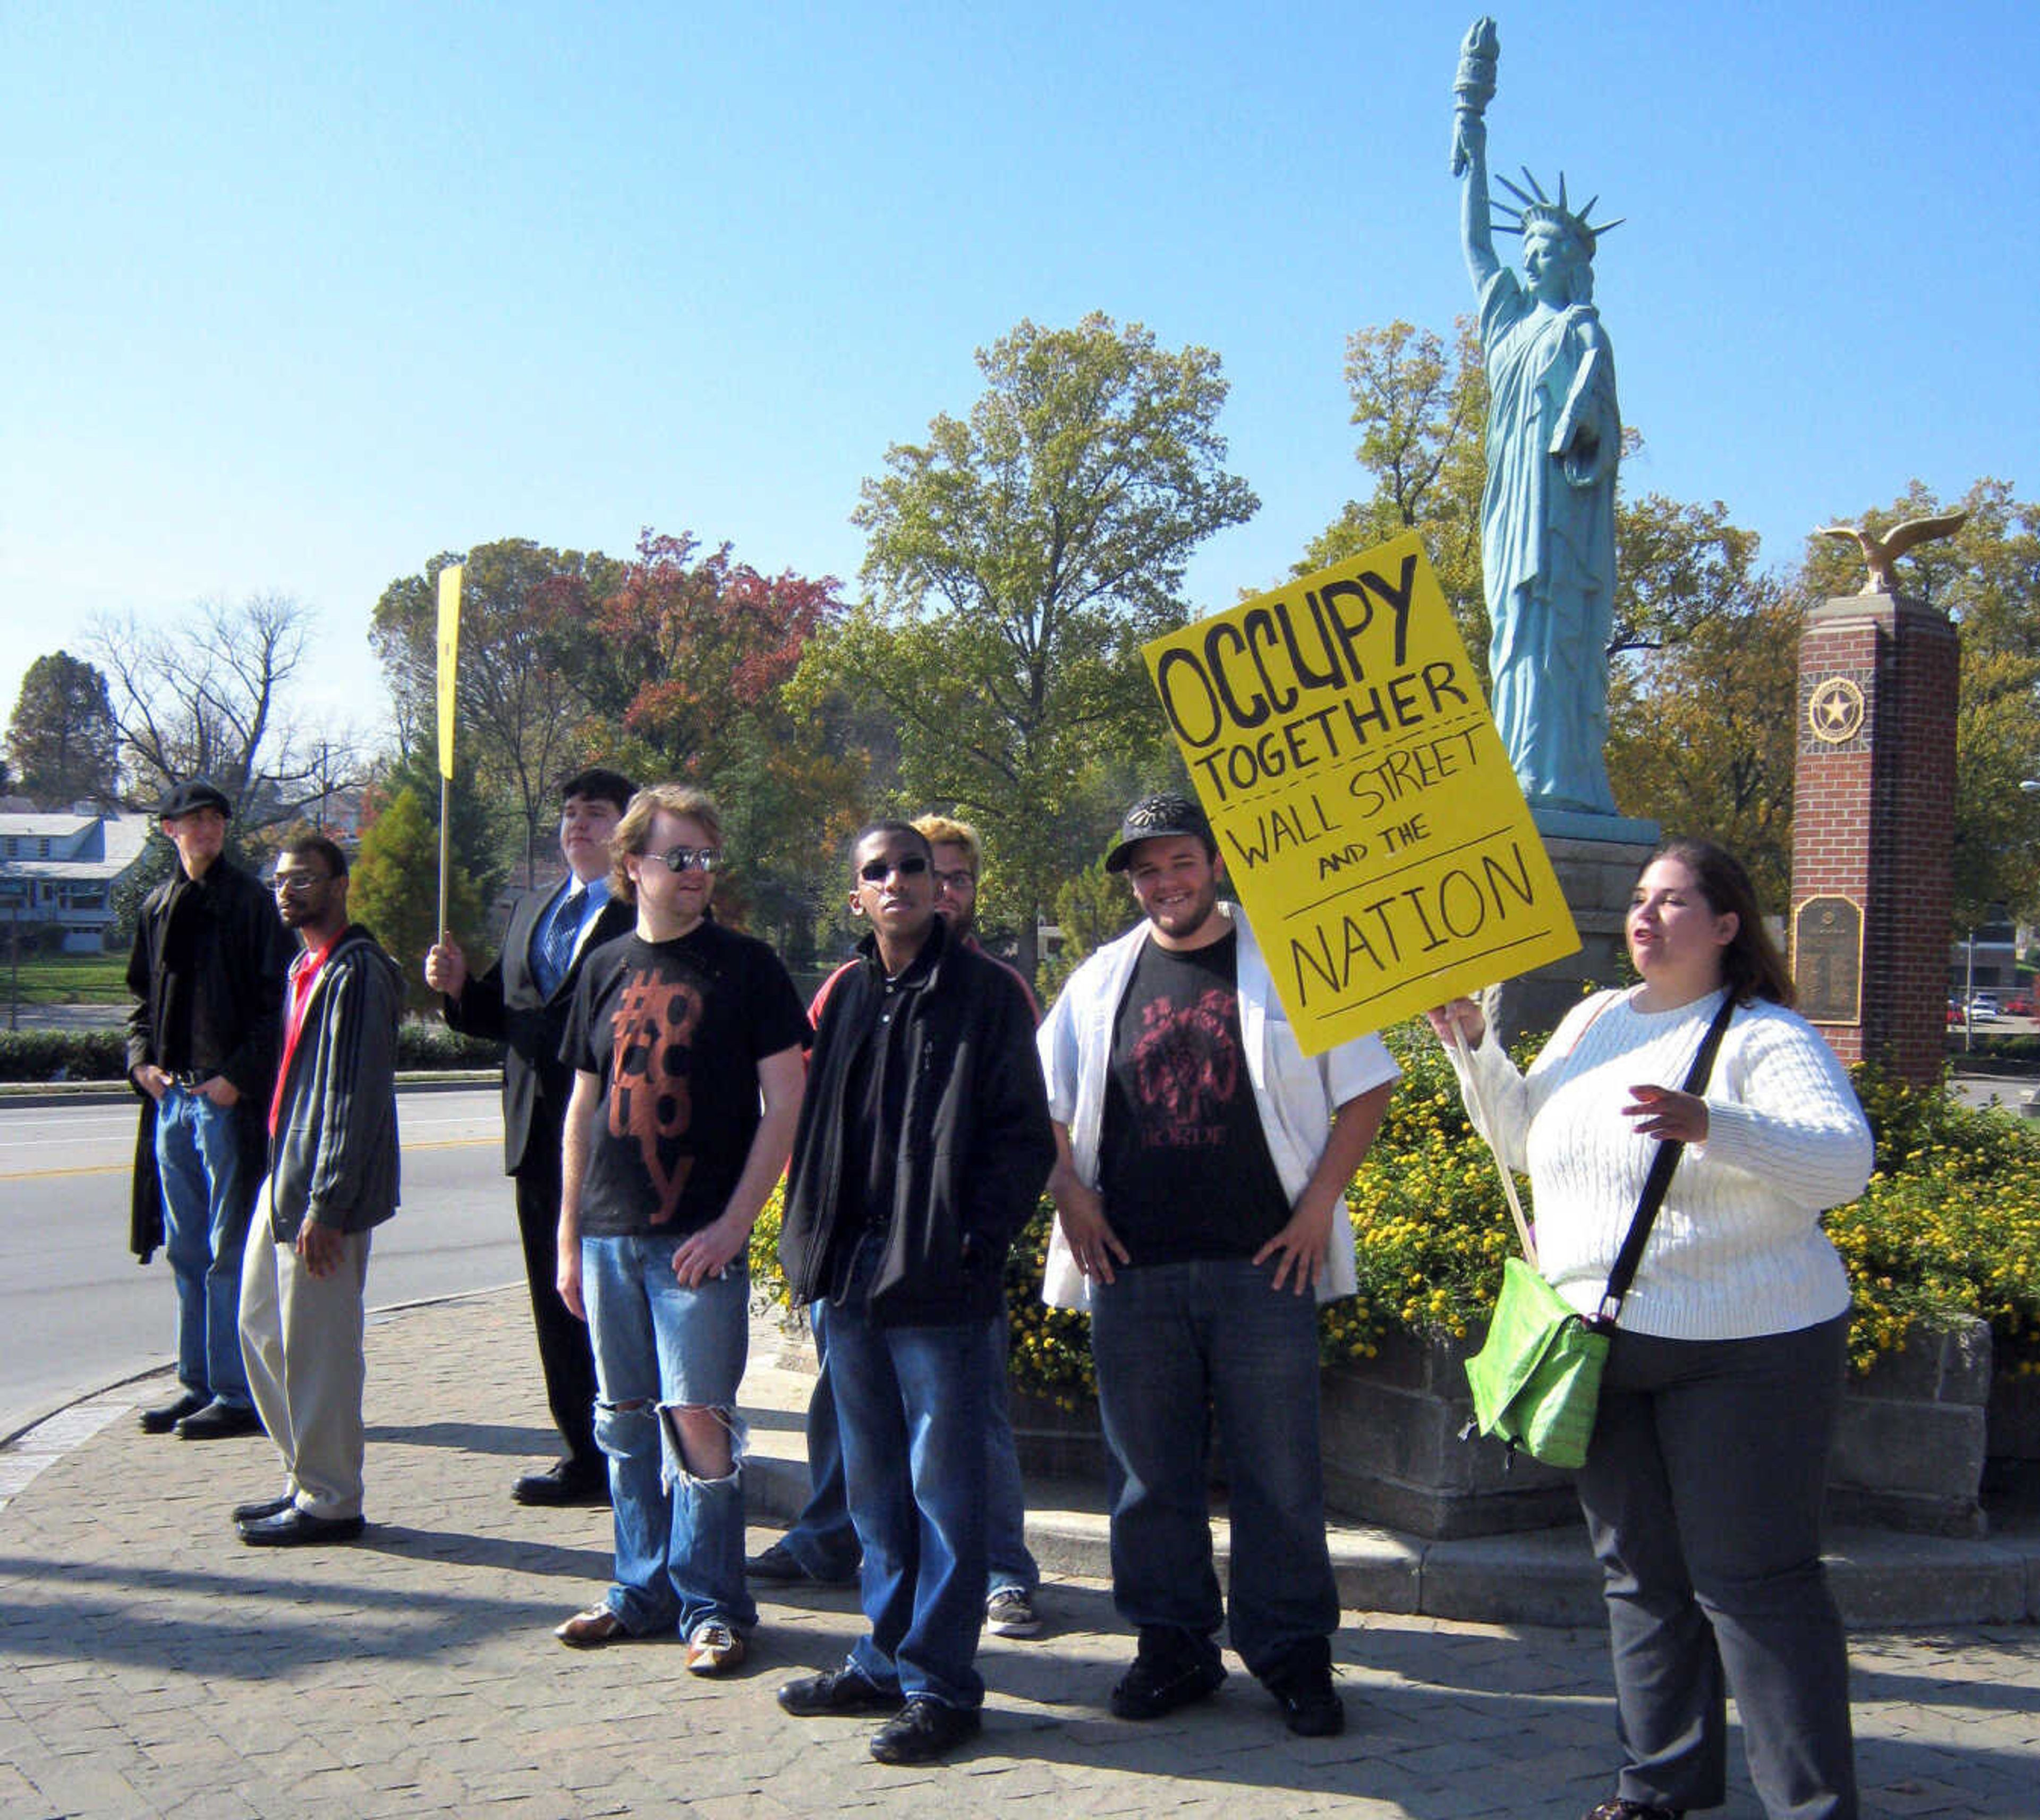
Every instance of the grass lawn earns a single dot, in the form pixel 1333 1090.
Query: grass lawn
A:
pixel 69 979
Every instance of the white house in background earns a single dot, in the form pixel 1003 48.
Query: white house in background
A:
pixel 61 868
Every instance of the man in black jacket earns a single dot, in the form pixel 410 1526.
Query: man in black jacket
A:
pixel 922 1145
pixel 207 971
pixel 522 1002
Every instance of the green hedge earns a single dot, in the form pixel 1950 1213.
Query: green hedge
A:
pixel 102 1055
pixel 1949 1225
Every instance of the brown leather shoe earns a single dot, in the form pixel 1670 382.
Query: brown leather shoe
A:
pixel 714 1649
pixel 590 1629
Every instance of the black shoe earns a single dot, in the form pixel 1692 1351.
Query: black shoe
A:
pixel 1310 1705
pixel 781 1566
pixel 261 1507
pixel 834 1692
pixel 1620 1809
pixel 564 1482
pixel 220 1420
pixel 162 1419
pixel 296 1529
pixel 925 1731
pixel 1170 1670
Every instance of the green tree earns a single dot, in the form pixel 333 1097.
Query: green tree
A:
pixel 393 888
pixel 63 739
pixel 1702 734
pixel 1421 410
pixel 1019 558
pixel 477 848
pixel 525 616
pixel 686 674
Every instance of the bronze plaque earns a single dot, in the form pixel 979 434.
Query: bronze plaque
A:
pixel 1827 960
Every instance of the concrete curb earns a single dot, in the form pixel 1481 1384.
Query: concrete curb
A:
pixel 1882 1580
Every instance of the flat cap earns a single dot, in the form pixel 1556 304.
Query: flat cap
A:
pixel 193 792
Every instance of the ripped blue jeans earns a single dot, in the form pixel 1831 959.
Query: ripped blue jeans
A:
pixel 660 1348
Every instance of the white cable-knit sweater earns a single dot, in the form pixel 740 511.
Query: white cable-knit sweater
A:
pixel 1736 1250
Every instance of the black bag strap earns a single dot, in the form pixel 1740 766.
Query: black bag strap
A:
pixel 1660 1178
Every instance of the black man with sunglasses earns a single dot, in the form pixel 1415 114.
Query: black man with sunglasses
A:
pixel 922 1144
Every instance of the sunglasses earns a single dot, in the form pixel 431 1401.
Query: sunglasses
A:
pixel 908 865
pixel 688 859
pixel 294 884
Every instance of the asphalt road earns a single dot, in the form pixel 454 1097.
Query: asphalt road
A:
pixel 77 1311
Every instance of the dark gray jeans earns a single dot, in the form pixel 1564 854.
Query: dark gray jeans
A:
pixel 1702 1491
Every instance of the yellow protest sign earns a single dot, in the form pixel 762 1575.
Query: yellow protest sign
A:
pixel 449 651
pixel 1364 807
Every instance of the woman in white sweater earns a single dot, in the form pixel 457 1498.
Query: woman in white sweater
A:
pixel 1702 1486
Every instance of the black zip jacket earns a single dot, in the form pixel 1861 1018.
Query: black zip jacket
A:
pixel 235 991
pixel 974 1149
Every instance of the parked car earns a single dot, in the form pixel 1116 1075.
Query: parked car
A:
pixel 2019 1005
pixel 1983 1008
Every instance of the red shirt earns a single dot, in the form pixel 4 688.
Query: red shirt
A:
pixel 304 971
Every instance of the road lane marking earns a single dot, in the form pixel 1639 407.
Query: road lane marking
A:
pixel 127 1168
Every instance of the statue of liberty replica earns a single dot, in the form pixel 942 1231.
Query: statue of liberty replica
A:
pixel 1553 441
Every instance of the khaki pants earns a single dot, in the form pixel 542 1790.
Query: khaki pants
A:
pixel 301 1342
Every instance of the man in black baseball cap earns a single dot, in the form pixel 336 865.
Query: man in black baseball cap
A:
pixel 1166 813
pixel 1202 1159
pixel 207 972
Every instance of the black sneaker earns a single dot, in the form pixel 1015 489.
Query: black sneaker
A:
pixel 1170 1670
pixel 1310 1705
pixel 834 1692
pixel 1620 1809
pixel 925 1731
pixel 166 1417
pixel 781 1566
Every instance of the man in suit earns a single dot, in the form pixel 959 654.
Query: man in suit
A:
pixel 522 1002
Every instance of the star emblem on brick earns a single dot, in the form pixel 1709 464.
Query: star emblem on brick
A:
pixel 1835 710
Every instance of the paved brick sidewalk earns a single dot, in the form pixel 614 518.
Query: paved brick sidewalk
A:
pixel 151 1666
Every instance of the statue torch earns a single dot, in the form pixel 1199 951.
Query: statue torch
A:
pixel 1474 86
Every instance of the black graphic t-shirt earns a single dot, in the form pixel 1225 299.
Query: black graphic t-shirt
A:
pixel 675 1030
pixel 1183 1165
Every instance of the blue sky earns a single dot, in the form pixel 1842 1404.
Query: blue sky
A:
pixel 299 295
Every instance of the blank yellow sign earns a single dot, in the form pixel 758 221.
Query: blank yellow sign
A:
pixel 449 653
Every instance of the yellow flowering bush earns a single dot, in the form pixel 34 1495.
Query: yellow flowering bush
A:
pixel 1950 1225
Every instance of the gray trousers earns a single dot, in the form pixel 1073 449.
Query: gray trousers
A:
pixel 301 1342
pixel 1702 1491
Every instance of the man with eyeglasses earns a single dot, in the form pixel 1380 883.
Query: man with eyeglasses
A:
pixel 207 971
pixel 685 1041
pixel 821 1546
pixel 522 1002
pixel 922 1145
pixel 331 1181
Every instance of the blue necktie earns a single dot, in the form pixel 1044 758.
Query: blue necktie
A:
pixel 557 954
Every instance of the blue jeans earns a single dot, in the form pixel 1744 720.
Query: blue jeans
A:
pixel 1174 1344
pixel 823 1539
pixel 205 1221
pixel 910 1404
pixel 660 1348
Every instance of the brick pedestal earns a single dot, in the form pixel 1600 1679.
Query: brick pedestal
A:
pixel 1872 830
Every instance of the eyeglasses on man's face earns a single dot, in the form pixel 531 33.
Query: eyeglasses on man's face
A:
pixel 906 865
pixel 297 884
pixel 688 859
